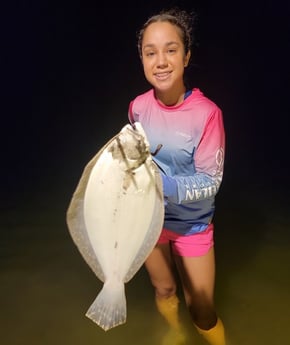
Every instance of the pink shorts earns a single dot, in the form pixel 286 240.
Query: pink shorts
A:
pixel 192 245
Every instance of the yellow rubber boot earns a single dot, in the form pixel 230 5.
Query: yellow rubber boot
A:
pixel 168 308
pixel 215 335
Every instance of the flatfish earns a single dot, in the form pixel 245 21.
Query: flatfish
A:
pixel 115 217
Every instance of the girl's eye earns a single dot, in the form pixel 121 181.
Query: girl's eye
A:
pixel 171 51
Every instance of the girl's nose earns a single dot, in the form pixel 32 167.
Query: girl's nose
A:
pixel 161 60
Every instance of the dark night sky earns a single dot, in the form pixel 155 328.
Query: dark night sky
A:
pixel 71 68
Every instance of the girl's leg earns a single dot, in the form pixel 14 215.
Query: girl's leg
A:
pixel 198 279
pixel 160 268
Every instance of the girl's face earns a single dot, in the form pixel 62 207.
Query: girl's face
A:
pixel 163 57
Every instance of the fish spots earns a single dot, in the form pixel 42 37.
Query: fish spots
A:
pixel 128 179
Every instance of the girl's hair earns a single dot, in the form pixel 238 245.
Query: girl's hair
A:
pixel 183 20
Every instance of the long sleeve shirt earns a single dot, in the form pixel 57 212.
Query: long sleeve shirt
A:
pixel 193 146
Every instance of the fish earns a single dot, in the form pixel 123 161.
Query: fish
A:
pixel 115 217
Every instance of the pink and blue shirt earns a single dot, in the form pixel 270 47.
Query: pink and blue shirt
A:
pixel 193 146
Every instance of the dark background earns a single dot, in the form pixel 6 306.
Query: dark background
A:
pixel 68 72
pixel 70 69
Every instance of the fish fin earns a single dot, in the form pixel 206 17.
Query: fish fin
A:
pixel 109 309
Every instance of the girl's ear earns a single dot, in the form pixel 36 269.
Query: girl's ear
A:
pixel 187 58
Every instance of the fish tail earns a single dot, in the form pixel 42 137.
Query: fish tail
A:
pixel 109 308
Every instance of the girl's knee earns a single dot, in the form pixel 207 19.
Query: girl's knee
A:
pixel 164 291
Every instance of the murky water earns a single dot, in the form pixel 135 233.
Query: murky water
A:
pixel 46 287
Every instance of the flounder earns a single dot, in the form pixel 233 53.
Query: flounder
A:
pixel 115 218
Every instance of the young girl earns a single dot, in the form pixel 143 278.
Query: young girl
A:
pixel 190 128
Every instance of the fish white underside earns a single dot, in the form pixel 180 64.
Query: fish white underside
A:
pixel 115 218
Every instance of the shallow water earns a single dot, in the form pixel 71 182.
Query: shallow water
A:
pixel 46 287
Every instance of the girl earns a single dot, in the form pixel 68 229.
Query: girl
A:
pixel 190 128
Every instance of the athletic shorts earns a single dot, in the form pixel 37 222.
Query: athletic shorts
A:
pixel 192 245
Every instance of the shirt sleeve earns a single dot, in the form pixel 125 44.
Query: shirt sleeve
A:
pixel 209 164
pixel 130 113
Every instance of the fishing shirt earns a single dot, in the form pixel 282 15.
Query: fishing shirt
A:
pixel 192 153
